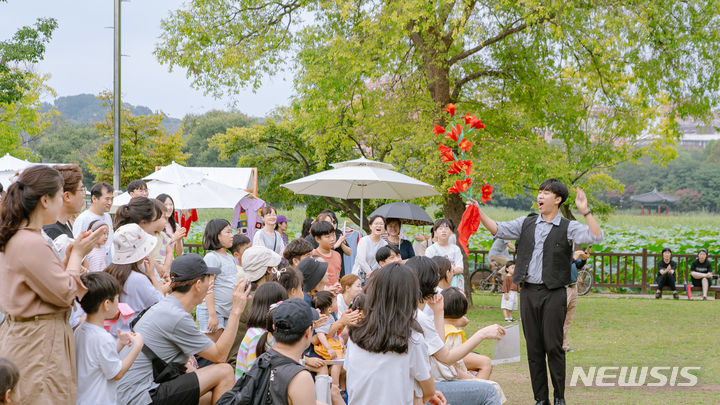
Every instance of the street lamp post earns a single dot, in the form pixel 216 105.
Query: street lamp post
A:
pixel 116 103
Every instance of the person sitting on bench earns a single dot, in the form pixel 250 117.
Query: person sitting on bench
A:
pixel 701 272
pixel 666 274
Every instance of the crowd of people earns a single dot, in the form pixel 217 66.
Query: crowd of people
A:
pixel 108 309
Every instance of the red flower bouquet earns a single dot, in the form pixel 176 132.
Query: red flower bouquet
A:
pixel 455 157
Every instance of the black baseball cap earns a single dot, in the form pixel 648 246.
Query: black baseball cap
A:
pixel 190 266
pixel 293 316
pixel 313 272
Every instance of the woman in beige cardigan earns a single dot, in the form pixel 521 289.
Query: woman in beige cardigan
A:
pixel 37 289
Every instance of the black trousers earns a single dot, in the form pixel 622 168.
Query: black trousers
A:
pixel 666 280
pixel 543 315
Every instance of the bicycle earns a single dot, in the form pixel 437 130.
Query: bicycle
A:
pixel 485 278
pixel 584 281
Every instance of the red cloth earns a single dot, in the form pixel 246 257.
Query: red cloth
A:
pixel 184 221
pixel 468 226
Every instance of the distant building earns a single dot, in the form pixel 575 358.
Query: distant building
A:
pixel 698 134
pixel 698 140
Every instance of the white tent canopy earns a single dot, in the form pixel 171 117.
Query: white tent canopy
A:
pixel 10 167
pixel 189 188
pixel 202 194
pixel 11 163
pixel 244 178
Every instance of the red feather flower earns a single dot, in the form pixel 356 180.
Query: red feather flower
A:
pixel 439 130
pixel 469 118
pixel 487 191
pixel 450 109
pixel 446 153
pixel 460 166
pixel 461 186
pixel 477 124
pixel 465 145
pixel 454 133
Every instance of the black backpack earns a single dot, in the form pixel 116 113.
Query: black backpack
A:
pixel 253 388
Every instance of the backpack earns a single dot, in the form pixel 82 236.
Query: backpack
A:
pixel 253 388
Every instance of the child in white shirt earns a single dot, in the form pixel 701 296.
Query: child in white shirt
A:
pixel 99 366
pixel 442 231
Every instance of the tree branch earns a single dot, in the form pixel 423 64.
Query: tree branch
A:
pixel 472 76
pixel 512 29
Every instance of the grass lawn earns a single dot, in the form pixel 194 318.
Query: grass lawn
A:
pixel 622 331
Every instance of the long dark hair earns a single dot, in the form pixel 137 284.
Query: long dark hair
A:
pixel 171 220
pixel 23 196
pixel 306 227
pixel 427 274
pixel 260 317
pixel 139 209
pixel 389 317
pixel 212 230
pixel 122 271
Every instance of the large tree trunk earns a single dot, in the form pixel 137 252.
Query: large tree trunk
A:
pixel 565 211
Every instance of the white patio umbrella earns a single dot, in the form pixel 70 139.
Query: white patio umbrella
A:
pixel 359 179
pixel 200 194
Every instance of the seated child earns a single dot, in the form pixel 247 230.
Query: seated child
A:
pixel 387 254
pixel 97 259
pixel 9 378
pixel 99 366
pixel 472 366
pixel 257 339
pixel 510 290
pixel 239 245
pixel 330 347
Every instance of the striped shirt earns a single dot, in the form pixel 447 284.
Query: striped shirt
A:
pixel 246 354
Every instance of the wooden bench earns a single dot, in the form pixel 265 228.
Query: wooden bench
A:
pixel 711 288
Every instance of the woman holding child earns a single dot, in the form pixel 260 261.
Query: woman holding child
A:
pixel 38 290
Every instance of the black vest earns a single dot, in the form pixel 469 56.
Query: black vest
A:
pixel 557 253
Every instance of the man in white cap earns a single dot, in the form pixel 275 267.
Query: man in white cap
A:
pixel 172 335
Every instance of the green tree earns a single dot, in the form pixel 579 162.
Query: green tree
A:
pixel 198 129
pixel 144 145
pixel 27 45
pixel 22 120
pixel 67 142
pixel 281 150
pixel 566 89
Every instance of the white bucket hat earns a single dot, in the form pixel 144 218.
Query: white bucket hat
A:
pixel 131 244
pixel 256 260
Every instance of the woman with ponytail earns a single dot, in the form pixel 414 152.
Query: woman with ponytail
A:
pixel 38 290
pixel 140 210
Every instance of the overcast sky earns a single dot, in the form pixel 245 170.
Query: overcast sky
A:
pixel 80 56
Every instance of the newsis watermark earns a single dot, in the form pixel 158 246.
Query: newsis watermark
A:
pixel 635 376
